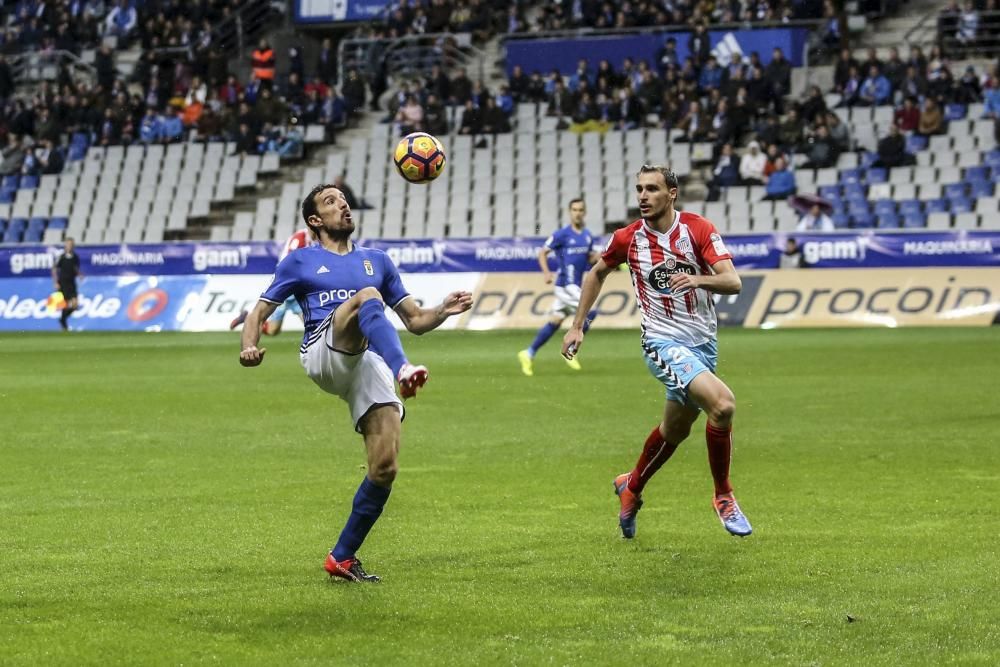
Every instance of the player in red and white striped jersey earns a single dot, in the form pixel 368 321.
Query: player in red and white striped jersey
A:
pixel 677 261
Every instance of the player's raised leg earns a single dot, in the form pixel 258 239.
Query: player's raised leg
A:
pixel 381 429
pixel 719 404
pixel 362 319
pixel 660 445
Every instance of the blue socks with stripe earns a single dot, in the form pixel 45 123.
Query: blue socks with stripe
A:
pixel 591 316
pixel 368 504
pixel 380 333
pixel 544 334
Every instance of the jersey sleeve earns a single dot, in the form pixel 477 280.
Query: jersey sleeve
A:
pixel 392 288
pixel 554 241
pixel 710 244
pixel 616 250
pixel 283 284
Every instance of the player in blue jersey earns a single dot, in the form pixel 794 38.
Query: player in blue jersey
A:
pixel 573 246
pixel 343 289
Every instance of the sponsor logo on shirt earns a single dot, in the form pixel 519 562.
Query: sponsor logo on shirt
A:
pixel 659 276
pixel 327 296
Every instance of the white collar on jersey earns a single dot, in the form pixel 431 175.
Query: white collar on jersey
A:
pixel 677 219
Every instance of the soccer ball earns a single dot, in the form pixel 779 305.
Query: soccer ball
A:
pixel 419 157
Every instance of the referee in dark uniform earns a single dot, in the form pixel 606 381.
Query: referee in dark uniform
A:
pixel 64 274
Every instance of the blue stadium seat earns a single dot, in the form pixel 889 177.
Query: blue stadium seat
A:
pixel 858 207
pixel 32 236
pixel 954 111
pixel 58 223
pixel 868 159
pixel 980 190
pixel 851 176
pixel 7 196
pixel 885 207
pixel 914 221
pixel 840 206
pixel 888 221
pixel 992 159
pixel 841 220
pixel 954 190
pixel 29 182
pixel 876 175
pixel 18 224
pixel 37 224
pixel 855 191
pixel 961 205
pixel 915 143
pixel 936 206
pixel 863 221
pixel 10 182
pixel 978 174
pixel 3 225
pixel 910 207
pixel 831 192
pixel 12 236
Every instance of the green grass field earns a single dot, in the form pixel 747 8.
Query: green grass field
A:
pixel 163 505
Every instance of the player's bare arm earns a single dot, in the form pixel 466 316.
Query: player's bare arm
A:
pixel 724 279
pixel 543 263
pixel 249 354
pixel 593 282
pixel 421 320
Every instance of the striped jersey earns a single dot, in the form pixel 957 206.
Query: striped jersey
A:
pixel 299 239
pixel 691 245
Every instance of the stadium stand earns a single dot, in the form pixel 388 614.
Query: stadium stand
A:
pixel 126 161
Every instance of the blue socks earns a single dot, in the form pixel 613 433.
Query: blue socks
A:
pixel 544 334
pixel 379 331
pixel 591 316
pixel 368 504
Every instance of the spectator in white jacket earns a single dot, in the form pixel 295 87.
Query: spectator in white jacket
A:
pixel 752 165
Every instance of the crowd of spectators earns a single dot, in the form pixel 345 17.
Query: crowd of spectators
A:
pixel 173 94
pixel 970 25
pixel 485 18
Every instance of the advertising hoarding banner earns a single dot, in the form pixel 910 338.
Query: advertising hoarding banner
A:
pixel 509 255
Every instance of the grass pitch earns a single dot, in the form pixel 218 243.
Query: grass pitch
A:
pixel 163 505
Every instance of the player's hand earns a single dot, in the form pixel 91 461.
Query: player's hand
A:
pixel 548 278
pixel 456 303
pixel 572 342
pixel 251 356
pixel 680 282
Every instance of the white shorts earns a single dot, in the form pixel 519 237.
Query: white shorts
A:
pixel 567 300
pixel 363 380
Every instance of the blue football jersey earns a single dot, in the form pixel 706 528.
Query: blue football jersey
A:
pixel 572 249
pixel 321 280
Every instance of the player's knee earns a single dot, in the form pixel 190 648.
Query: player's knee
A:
pixel 383 470
pixel 369 294
pixel 722 409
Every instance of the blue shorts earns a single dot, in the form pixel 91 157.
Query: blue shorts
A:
pixel 289 306
pixel 676 365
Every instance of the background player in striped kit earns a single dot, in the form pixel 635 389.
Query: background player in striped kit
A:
pixel 677 261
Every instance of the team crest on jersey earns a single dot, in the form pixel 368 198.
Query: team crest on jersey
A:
pixel 684 245
pixel 368 268
pixel 659 276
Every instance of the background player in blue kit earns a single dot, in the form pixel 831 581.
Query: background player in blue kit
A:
pixel 573 246
pixel 343 289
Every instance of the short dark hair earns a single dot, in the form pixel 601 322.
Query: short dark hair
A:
pixel 309 208
pixel 669 177
pixel 575 200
